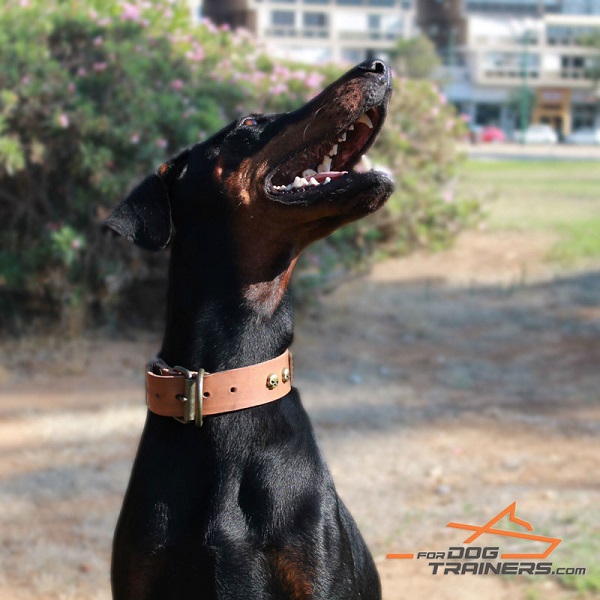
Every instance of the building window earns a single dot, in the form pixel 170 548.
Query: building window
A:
pixel 315 19
pixel 581 7
pixel 316 1
pixel 381 2
pixel 354 55
pixel 375 22
pixel 350 2
pixel 283 17
pixel 584 115
pixel 562 35
pixel 576 67
pixel 513 7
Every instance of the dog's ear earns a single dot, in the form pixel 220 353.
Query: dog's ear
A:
pixel 144 217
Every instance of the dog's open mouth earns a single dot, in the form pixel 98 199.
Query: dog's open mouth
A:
pixel 336 160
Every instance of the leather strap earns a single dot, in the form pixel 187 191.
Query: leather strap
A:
pixel 221 392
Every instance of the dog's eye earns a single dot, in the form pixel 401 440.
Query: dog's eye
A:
pixel 249 121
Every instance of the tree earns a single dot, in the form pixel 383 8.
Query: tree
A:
pixel 415 58
pixel 593 67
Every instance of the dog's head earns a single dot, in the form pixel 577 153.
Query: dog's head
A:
pixel 271 179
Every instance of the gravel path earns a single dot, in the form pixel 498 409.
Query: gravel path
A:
pixel 442 388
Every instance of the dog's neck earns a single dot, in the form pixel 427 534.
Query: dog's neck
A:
pixel 219 319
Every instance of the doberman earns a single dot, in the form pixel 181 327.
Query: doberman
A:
pixel 244 507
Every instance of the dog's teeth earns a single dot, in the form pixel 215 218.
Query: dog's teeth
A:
pixel 363 165
pixel 343 137
pixel 299 182
pixel 308 173
pixel 351 128
pixel 313 181
pixel 325 165
pixel 334 150
pixel 327 180
pixel 364 118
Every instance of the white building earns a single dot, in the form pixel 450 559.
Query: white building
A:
pixel 316 31
pixel 501 56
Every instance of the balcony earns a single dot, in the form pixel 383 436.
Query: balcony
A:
pixel 282 31
pixel 376 35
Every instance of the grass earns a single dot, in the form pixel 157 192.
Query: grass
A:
pixel 556 197
pixel 560 198
pixel 584 552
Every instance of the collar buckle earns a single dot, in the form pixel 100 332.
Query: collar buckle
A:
pixel 193 396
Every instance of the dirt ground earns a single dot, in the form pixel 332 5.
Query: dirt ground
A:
pixel 442 388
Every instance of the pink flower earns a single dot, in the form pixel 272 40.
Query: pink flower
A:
pixel 81 72
pixel 278 89
pixel 280 72
pixel 176 84
pixel 314 80
pixel 71 87
pixel 135 138
pixel 63 120
pixel 209 25
pixel 98 40
pixel 162 143
pixel 76 244
pixel 243 34
pixel 448 196
pixel 131 12
pixel 196 54
pixel 99 67
pixel 225 27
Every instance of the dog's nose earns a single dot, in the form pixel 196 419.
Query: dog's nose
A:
pixel 374 66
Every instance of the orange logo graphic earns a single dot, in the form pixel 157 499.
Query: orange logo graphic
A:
pixel 490 529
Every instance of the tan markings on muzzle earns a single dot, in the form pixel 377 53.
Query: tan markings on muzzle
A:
pixel 246 183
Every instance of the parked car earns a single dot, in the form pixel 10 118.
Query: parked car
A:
pixel 492 134
pixel 537 134
pixel 584 136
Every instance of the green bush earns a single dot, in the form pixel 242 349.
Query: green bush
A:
pixel 419 145
pixel 95 94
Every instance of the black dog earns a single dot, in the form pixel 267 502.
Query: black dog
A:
pixel 244 506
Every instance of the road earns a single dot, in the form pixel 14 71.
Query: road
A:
pixel 532 152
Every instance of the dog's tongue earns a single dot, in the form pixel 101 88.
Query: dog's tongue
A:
pixel 321 177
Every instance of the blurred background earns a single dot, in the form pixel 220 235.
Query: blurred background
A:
pixel 447 348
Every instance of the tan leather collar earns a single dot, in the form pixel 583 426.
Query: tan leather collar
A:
pixel 190 395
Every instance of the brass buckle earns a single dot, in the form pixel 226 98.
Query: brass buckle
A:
pixel 192 396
